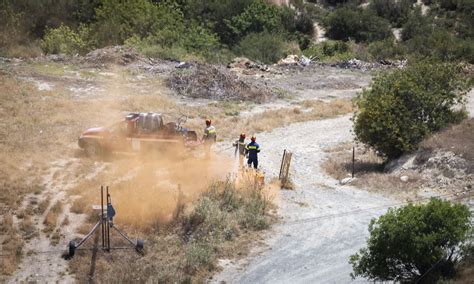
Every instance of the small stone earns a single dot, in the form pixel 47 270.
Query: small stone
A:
pixel 404 178
pixel 346 180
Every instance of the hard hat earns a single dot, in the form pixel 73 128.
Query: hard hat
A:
pixel 242 135
pixel 253 138
pixel 208 122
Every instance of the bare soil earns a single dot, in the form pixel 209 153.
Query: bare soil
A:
pixel 49 185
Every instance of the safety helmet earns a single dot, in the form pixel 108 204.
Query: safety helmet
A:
pixel 253 138
pixel 208 122
pixel 242 135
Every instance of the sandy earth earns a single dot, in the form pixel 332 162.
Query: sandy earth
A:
pixel 314 240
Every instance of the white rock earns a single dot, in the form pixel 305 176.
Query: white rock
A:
pixel 346 180
pixel 404 178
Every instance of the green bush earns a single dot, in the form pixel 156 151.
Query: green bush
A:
pixel 403 107
pixel 330 49
pixel 171 37
pixel 218 216
pixel 362 25
pixel 396 12
pixel 385 49
pixel 259 17
pixel 414 241
pixel 441 44
pixel 116 21
pixel 199 255
pixel 217 13
pixel 264 47
pixel 65 40
pixel 416 25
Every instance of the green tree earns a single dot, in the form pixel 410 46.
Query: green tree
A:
pixel 216 13
pixel 66 40
pixel 403 107
pixel 362 25
pixel 396 12
pixel 414 241
pixel 259 17
pixel 416 25
pixel 117 21
pixel 265 47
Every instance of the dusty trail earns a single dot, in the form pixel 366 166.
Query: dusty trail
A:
pixel 44 263
pixel 314 250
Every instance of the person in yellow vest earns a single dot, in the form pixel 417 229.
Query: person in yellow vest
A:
pixel 210 137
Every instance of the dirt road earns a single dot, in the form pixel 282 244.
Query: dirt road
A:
pixel 316 236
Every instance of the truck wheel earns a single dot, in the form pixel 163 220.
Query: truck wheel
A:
pixel 92 149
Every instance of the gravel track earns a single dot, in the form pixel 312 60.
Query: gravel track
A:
pixel 323 222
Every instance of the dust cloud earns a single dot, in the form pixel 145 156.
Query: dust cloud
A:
pixel 145 188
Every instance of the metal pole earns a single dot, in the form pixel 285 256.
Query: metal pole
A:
pixel 102 214
pixel 282 160
pixel 353 160
pixel 108 225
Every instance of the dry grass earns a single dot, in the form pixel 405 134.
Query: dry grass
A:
pixel 221 223
pixel 51 219
pixel 11 245
pixel 368 170
pixel 231 126
pixel 79 206
pixel 457 138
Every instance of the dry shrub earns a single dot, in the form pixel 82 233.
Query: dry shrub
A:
pixel 11 245
pixel 456 138
pixel 28 229
pixel 51 219
pixel 186 249
pixel 211 82
pixel 271 119
pixel 79 206
pixel 368 170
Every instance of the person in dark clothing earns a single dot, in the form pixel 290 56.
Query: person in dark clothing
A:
pixel 252 150
pixel 240 148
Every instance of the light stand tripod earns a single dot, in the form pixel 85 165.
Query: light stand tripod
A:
pixel 105 222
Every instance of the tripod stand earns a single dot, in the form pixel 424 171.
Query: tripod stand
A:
pixel 106 223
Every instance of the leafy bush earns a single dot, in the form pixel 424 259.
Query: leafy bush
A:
pixel 403 107
pixel 427 36
pixel 217 13
pixel 171 37
pixel 199 255
pixel 265 47
pixel 65 40
pixel 259 17
pixel 329 49
pixel 396 12
pixel 414 241
pixel 117 21
pixel 362 25
pixel 218 216
pixel 416 24
pixel 385 49
pixel 441 44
